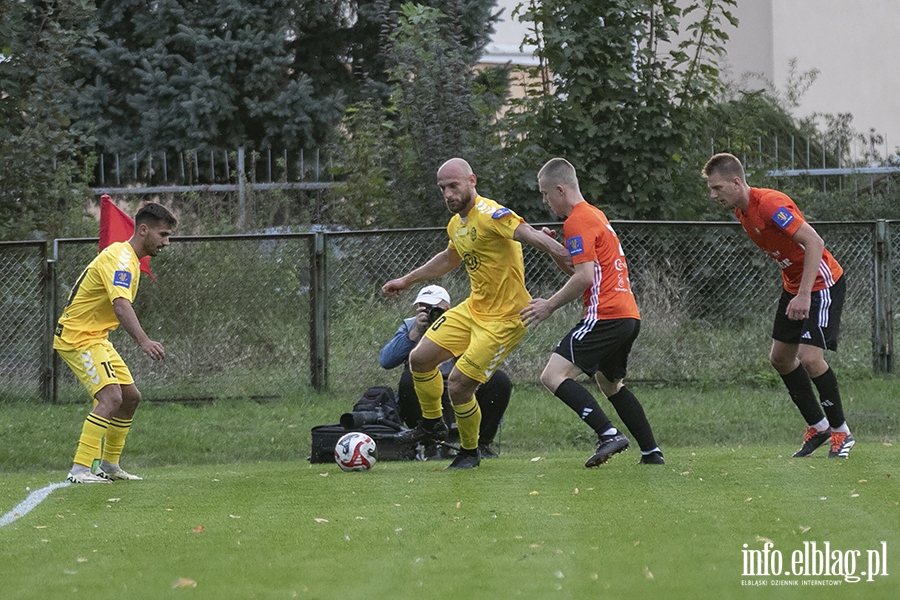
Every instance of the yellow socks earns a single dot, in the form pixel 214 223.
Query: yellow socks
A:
pixel 115 439
pixel 468 420
pixel 95 427
pixel 429 389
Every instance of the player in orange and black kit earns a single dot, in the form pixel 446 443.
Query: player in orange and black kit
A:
pixel 482 330
pixel 99 302
pixel 599 345
pixel 809 312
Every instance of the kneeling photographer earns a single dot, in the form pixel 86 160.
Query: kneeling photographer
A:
pixel 492 396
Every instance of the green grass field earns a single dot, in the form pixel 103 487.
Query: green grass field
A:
pixel 230 508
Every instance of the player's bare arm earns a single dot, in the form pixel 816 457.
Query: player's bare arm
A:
pixel 129 322
pixel 441 263
pixel 545 242
pixel 813 247
pixel 540 309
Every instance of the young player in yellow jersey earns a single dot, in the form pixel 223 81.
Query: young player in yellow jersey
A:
pixel 481 331
pixel 99 302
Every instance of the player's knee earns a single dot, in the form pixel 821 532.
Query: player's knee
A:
pixel 419 363
pixel 461 389
pixel 109 399
pixel 551 379
pixel 781 363
pixel 813 365
pixel 131 397
pixel 610 388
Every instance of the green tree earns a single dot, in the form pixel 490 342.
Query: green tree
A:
pixel 366 159
pixel 616 96
pixel 437 109
pixel 183 74
pixel 44 163
pixel 366 45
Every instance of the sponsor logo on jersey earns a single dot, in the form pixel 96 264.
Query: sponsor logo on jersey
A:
pixel 501 213
pixel 783 217
pixel 575 245
pixel 122 279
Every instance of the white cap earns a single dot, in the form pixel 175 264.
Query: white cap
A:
pixel 433 295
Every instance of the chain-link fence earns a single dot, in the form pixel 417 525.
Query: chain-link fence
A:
pixel 707 297
pixel 265 315
pixel 24 311
pixel 231 311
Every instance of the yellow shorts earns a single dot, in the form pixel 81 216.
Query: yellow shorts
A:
pixel 480 345
pixel 97 366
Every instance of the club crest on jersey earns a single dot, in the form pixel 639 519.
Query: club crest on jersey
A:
pixel 472 262
pixel 122 279
pixel 502 212
pixel 575 246
pixel 783 217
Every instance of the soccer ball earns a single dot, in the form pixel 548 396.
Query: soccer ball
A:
pixel 355 452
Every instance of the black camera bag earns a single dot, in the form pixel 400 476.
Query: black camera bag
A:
pixel 377 406
pixel 325 437
pixel 375 414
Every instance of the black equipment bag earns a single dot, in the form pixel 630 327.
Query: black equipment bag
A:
pixel 377 406
pixel 325 437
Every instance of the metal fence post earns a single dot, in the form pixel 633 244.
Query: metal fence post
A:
pixel 48 302
pixel 318 322
pixel 883 313
pixel 242 195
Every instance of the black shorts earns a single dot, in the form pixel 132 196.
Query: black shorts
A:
pixel 822 326
pixel 600 346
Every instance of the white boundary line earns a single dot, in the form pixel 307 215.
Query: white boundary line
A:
pixel 33 499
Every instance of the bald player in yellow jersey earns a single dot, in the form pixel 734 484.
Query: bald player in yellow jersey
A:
pixel 481 331
pixel 99 302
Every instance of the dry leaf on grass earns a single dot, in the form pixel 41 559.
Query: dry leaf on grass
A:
pixel 183 582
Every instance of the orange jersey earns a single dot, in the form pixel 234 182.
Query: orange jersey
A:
pixel 590 238
pixel 771 220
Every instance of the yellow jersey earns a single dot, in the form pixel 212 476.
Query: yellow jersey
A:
pixel 483 239
pixel 88 314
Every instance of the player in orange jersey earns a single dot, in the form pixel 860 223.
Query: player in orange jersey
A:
pixel 599 345
pixel 808 317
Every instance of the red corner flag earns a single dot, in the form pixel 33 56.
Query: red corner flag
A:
pixel 116 226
